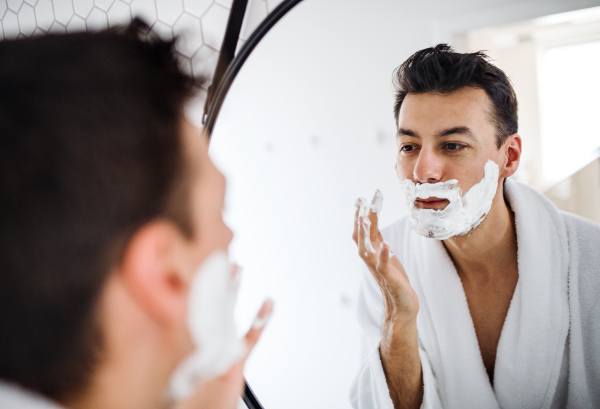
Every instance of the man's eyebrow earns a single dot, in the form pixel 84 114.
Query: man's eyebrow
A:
pixel 408 132
pixel 461 130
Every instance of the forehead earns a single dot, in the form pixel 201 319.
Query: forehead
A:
pixel 433 111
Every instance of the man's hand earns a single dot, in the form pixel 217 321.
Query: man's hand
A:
pixel 224 392
pixel 399 348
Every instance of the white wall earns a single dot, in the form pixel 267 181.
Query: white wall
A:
pixel 305 130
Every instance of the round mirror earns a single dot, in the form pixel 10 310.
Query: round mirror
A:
pixel 305 129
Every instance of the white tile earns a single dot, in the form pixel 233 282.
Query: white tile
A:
pixel 38 32
pixel 190 34
pixel 204 63
pixel 226 3
pixel 255 14
pixel 1 31
pixel 14 5
pixel 97 20
pixel 239 45
pixel 103 4
pixel 163 30
pixel 145 9
pixel 26 19
pixel 83 7
pixel 185 63
pixel 76 24
pixel 57 28
pixel 214 24
pixel 10 23
pixel 63 10
pixel 44 15
pixel 3 7
pixel 119 13
pixel 31 2
pixel 197 7
pixel 271 4
pixel 169 10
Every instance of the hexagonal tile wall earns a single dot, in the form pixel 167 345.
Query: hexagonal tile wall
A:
pixel 200 24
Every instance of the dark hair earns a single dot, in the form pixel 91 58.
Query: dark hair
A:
pixel 90 150
pixel 441 69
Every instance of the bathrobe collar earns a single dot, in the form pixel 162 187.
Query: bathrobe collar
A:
pixel 532 341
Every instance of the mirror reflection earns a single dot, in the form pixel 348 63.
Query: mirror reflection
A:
pixel 309 126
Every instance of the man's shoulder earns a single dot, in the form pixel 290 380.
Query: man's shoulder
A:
pixel 583 229
pixel 584 243
pixel 584 240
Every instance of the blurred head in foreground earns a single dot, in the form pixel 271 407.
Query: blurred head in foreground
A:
pixel 108 205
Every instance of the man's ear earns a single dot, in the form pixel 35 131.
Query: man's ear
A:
pixel 154 272
pixel 512 155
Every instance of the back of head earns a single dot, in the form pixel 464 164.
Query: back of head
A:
pixel 90 150
pixel 441 70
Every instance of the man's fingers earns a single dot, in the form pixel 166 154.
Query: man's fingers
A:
pixel 374 209
pixel 383 260
pixel 259 324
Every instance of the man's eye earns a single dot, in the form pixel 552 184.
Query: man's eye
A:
pixel 407 148
pixel 454 146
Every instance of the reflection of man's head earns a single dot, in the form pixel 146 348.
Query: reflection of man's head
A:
pixel 454 113
pixel 99 207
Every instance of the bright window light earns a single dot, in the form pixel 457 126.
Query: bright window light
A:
pixel 569 90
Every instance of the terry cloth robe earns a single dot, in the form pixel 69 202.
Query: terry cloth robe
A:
pixel 549 350
pixel 15 397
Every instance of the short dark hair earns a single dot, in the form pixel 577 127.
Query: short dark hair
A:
pixel 90 151
pixel 440 69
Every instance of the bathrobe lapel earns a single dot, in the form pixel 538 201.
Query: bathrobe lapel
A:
pixel 532 342
pixel 533 339
pixel 446 329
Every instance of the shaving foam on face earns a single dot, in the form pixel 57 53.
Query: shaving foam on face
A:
pixel 211 326
pixel 461 214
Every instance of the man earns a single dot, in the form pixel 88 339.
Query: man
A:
pixel 487 300
pixel 110 217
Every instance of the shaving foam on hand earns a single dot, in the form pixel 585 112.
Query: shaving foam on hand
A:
pixel 211 326
pixel 377 202
pixel 461 215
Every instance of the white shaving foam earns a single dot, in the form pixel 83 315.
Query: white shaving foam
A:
pixel 211 325
pixel 461 215
pixel 377 202
pixel 363 210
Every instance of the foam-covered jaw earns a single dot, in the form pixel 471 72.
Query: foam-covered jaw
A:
pixel 462 213
pixel 212 298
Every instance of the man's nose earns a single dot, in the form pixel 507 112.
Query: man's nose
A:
pixel 428 168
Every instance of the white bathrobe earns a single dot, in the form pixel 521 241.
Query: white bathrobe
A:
pixel 549 350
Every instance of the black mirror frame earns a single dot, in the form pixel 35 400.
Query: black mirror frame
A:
pixel 219 89
pixel 215 102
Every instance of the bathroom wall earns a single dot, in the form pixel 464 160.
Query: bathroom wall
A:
pixel 202 22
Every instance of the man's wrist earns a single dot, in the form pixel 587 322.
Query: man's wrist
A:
pixel 399 353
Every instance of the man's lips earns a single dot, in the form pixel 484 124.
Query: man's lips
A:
pixel 431 203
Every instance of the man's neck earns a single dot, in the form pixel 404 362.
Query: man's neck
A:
pixel 489 249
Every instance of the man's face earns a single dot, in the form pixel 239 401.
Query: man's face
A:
pixel 207 194
pixel 444 137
